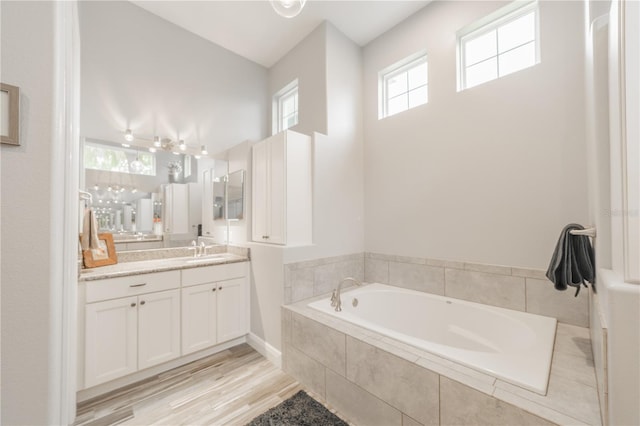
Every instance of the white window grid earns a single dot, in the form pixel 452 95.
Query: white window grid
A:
pixel 284 120
pixel 514 11
pixel 396 70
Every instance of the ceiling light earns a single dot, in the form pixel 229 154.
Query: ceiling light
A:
pixel 157 142
pixel 128 135
pixel 288 8
pixel 183 146
pixel 203 150
pixel 152 149
pixel 197 157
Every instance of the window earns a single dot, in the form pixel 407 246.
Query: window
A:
pixel 500 44
pixel 118 159
pixel 285 107
pixel 403 85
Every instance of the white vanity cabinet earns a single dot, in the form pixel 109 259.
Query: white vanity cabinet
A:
pixel 282 189
pixel 214 306
pixel 131 323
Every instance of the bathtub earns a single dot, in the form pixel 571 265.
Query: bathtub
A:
pixel 510 345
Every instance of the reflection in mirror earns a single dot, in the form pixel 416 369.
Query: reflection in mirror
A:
pixel 125 183
pixel 235 195
pixel 219 194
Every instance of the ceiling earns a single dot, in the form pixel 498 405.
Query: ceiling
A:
pixel 252 29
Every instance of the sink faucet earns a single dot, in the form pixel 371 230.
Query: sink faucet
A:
pixel 203 248
pixel 335 295
pixel 194 247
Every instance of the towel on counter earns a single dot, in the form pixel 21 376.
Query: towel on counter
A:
pixel 572 262
pixel 89 238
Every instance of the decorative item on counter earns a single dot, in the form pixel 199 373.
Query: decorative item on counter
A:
pixel 104 255
pixel 175 168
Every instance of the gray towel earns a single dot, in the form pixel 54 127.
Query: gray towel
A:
pixel 572 262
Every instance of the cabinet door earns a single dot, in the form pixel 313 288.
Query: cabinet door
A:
pixel 259 188
pixel 232 309
pixel 110 340
pixel 198 317
pixel 158 327
pixel 276 215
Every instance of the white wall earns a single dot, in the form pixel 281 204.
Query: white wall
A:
pixel 307 63
pixel 142 72
pixel 28 294
pixel 490 174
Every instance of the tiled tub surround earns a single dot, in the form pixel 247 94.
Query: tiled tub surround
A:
pixel 375 380
pixel 521 289
pixel 315 277
pixel 514 346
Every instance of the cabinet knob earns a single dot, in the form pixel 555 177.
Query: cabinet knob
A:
pixel 220 288
pixel 142 302
pixel 133 305
pixel 214 289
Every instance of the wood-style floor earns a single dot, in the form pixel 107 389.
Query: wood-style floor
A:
pixel 228 388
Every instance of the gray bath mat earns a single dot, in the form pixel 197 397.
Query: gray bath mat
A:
pixel 299 410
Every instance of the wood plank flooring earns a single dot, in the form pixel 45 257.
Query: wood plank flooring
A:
pixel 228 388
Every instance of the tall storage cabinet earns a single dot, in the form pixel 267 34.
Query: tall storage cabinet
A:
pixel 282 190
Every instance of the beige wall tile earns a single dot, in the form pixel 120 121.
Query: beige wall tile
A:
pixel 491 289
pixel 490 269
pixel 408 421
pixel 529 273
pixel 376 271
pixel 306 370
pixel 544 299
pixel 357 405
pixel 429 279
pixel 461 405
pixel 319 342
pixel 403 384
pixel 301 283
pixel 445 263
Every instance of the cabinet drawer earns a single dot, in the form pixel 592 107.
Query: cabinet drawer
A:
pixel 214 273
pixel 133 285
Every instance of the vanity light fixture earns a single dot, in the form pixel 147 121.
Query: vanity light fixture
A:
pixel 183 146
pixel 288 8
pixel 128 135
pixel 203 150
pixel 157 142
pixel 126 145
pixel 197 157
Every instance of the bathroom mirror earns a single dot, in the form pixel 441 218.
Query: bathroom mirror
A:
pixel 235 195
pixel 125 183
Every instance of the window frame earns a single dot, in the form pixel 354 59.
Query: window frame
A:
pixel 398 68
pixel 127 152
pixel 279 98
pixel 493 22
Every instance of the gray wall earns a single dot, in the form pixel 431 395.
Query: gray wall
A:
pixel 487 175
pixel 144 73
pixel 28 291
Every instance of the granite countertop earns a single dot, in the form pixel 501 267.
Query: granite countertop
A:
pixel 158 265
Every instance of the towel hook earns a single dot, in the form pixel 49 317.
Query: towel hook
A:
pixel 84 195
pixel 589 232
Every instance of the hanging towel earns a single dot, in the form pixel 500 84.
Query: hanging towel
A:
pixel 572 262
pixel 89 238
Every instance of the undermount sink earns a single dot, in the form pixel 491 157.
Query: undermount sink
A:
pixel 207 258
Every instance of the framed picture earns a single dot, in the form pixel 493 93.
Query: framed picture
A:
pixel 103 256
pixel 9 114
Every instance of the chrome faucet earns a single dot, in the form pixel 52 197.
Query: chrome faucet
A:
pixel 335 295
pixel 194 247
pixel 203 248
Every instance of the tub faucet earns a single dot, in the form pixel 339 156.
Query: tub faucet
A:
pixel 335 295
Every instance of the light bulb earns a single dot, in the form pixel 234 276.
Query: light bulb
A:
pixel 288 8
pixel 197 157
pixel 126 145
pixel 203 151
pixel 183 146
pixel 175 153
pixel 128 135
pixel 134 190
pixel 156 142
pixel 109 188
pixel 152 149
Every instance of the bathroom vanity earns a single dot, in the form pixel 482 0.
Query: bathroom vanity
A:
pixel 140 318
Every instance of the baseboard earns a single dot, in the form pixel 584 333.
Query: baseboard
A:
pixel 265 349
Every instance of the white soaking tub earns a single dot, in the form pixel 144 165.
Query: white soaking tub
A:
pixel 510 345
